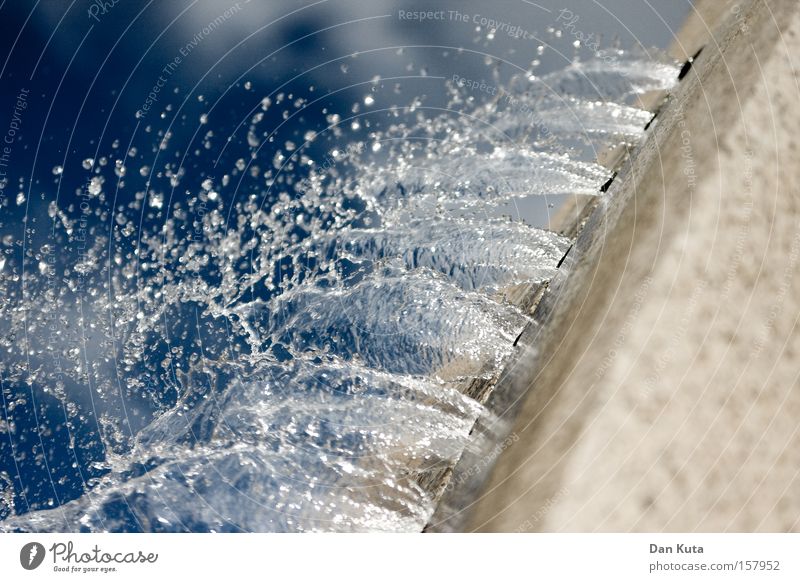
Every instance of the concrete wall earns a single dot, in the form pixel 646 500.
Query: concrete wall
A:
pixel 660 391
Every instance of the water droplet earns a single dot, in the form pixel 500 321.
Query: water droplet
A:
pixel 156 200
pixel 95 185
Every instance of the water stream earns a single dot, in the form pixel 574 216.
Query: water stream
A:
pixel 290 353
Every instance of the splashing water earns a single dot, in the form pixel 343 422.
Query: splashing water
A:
pixel 292 354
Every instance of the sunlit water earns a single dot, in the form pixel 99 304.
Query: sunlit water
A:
pixel 291 357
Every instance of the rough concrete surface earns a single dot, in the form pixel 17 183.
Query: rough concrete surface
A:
pixel 663 391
